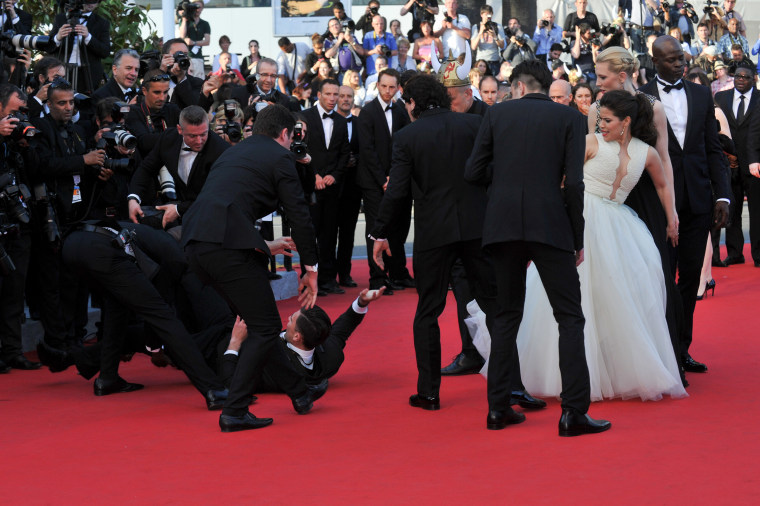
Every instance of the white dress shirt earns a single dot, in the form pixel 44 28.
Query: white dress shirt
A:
pixel 747 97
pixel 186 159
pixel 676 110
pixel 75 58
pixel 388 115
pixel 327 123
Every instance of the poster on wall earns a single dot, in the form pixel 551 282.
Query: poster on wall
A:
pixel 303 17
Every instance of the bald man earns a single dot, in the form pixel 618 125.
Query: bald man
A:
pixel 561 92
pixel 489 89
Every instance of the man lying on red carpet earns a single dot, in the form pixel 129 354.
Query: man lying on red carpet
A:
pixel 311 343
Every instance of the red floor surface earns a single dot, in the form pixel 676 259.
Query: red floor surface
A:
pixel 363 444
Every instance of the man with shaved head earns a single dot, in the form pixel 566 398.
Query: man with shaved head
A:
pixel 699 169
pixel 561 92
pixel 489 89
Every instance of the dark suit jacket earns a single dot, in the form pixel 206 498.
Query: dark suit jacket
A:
pixel 375 142
pixel 739 131
pixel 245 184
pixel 327 160
pixel 166 153
pixel 24 25
pixel 242 95
pixel 98 48
pixel 147 135
pixel 190 92
pixel 110 89
pixel 699 168
pixel 446 208
pixel 525 201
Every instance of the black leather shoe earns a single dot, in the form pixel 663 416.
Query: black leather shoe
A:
pixel 347 281
pixel 527 401
pixel 321 293
pixel 498 420
pixel 119 386
pixel 428 403
pixel 719 263
pixel 757 264
pixel 734 260
pixel 691 365
pixel 575 424
pixel 318 390
pixel 387 291
pixel 463 364
pixel 215 399
pixel 405 283
pixel 305 402
pixel 4 368
pixel 390 285
pixel 246 422
pixel 56 360
pixel 332 287
pixel 21 362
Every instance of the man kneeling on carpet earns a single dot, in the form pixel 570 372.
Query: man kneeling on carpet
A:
pixel 312 344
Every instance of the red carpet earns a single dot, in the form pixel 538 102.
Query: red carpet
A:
pixel 363 444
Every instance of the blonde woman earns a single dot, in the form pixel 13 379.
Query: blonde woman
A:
pixel 352 79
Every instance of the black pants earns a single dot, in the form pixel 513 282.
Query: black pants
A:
pixel 324 215
pixel 12 296
pixel 240 277
pixel 560 279
pixel 396 263
pixel 742 184
pixel 348 214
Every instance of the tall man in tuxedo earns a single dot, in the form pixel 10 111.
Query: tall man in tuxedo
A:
pixel 15 19
pixel 528 218
pixel 699 169
pixel 740 107
pixel 378 121
pixel 148 119
pixel 330 152
pixel 187 152
pixel 226 251
pixel 82 46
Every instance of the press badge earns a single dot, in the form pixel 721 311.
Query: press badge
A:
pixel 77 196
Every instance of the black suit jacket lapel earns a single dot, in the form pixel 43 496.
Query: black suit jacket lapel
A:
pixel 725 102
pixel 690 111
pixel 318 123
pixel 172 161
pixel 748 110
pixel 383 123
pixel 652 89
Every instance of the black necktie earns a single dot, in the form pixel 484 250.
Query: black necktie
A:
pixel 666 87
pixel 740 111
pixel 326 115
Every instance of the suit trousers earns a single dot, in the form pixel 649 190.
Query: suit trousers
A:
pixel 324 215
pixel 348 214
pixel 396 263
pixel 57 288
pixel 559 276
pixel 240 277
pixel 734 233
pixel 12 296
pixel 432 269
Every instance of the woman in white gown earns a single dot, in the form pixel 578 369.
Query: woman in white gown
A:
pixel 628 347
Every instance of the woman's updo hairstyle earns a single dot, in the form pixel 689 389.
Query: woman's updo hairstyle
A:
pixel 619 59
pixel 637 107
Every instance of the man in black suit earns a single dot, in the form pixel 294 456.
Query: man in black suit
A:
pixel 226 251
pixel 740 107
pixel 126 65
pixel 154 115
pixel 260 88
pixel 378 121
pixel 45 72
pixel 330 151
pixel 699 170
pixel 16 19
pixel 186 90
pixel 313 345
pixel 188 152
pixel 91 36
pixel 529 219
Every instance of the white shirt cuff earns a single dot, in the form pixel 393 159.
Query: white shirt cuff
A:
pixel 357 308
pixel 231 352
pixel 88 39
pixel 376 239
pixel 727 201
pixel 134 196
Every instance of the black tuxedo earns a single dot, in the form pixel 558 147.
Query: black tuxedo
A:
pixel 148 132
pixel 110 89
pixel 375 146
pixel 741 180
pixel 350 203
pixel 224 248
pixel 166 153
pixel 242 94
pixel 327 161
pixel 529 218
pixel 699 171
pixel 98 48
pixel 190 92
pixel 24 24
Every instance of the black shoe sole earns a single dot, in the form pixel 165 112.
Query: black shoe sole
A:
pixel 248 427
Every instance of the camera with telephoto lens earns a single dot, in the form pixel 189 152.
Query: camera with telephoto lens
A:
pixel 182 60
pixel 119 137
pixel 149 60
pixel 709 6
pixel 610 28
pixel 348 26
pixel 665 5
pixel 298 146
pixel 386 51
pixel 166 185
pixel 231 128
pixel 691 12
pixel 13 197
pixel 44 213
pixel 23 128
pixel 187 10
pixel 13 44
pixel 107 143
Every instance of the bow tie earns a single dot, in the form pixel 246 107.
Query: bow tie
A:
pixel 666 87
pixel 187 149
pixel 350 119
pixel 326 115
pixel 388 107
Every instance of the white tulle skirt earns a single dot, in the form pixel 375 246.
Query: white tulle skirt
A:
pixel 628 346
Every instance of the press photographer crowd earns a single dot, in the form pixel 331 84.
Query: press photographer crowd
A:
pixel 148 189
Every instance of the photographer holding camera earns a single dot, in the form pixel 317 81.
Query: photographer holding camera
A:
pixel 13 18
pixel 546 34
pixel 45 72
pixel 196 33
pixel 421 10
pixel 148 119
pixel 521 47
pixel 228 122
pixel 342 48
pixel 259 89
pixel 378 43
pixel 15 240
pixel 681 15
pixel 455 29
pixel 365 22
pixel 584 50
pixel 184 89
pixel 488 40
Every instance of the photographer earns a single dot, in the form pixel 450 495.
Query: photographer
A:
pixel 228 121
pixel 643 14
pixel 259 89
pixel 45 72
pixel 188 152
pixel 15 240
pixel 15 19
pixel 226 72
pixel 702 41
pixel 732 37
pixel 291 63
pixel 488 40
pixel 730 13
pixel 185 90
pixel 584 51
pixel 81 38
pixel 314 58
pixel 421 10
pixel 547 33
pixel 365 22
pixel 574 19
pixel 151 117
pixel 455 29
pixel 377 43
pixel 196 33
pixel 521 47
pixel 126 65
pixel 681 15
pixel 342 48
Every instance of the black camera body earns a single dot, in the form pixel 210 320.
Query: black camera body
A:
pixel 709 6
pixel 187 10
pixel 491 26
pixel 348 26
pixel 14 197
pixel 23 128
pixel 149 60
pixel 373 11
pixel 232 129
pixel 182 60
pixel 74 11
pixel 298 146
pixel 544 23
pixel 386 51
pixel 119 136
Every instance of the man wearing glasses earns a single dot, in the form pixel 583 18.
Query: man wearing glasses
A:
pixel 154 115
pixel 261 89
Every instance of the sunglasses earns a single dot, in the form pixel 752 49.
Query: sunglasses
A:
pixel 159 77
pixel 59 83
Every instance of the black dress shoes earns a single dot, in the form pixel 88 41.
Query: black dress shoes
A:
pixel 120 386
pixel 428 403
pixel 331 287
pixel 21 362
pixel 575 424
pixel 246 422
pixel 390 285
pixel 734 260
pixel 56 360
pixel 388 290
pixel 463 364
pixel 305 402
pixel 691 365
pixel 498 420
pixel 405 283
pixel 215 399
pixel 527 401
pixel 347 281
pixel 719 263
pixel 4 368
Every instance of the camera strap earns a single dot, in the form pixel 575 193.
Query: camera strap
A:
pixel 146 264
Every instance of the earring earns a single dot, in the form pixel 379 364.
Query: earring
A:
pixel 622 132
